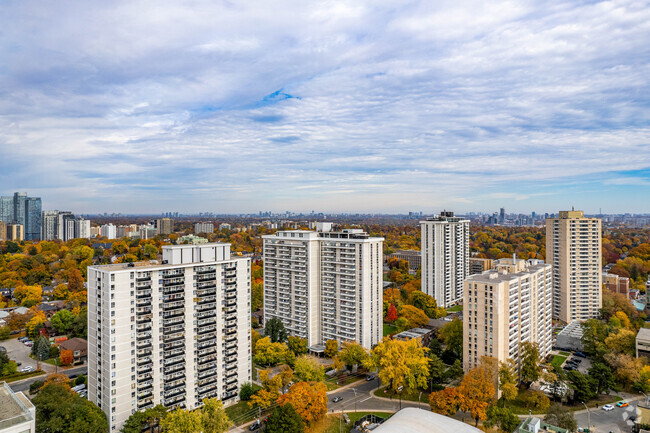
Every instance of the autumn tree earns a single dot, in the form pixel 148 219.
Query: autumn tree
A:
pixel 400 363
pixel 213 417
pixel 415 317
pixel 60 292
pixel 331 348
pixel 181 421
pixel 393 296
pixel 626 368
pixel 297 345
pixel 309 369
pixel 622 341
pixel 28 296
pixel 530 371
pixel 58 379
pixel 309 399
pixel 267 353
pixel 391 315
pixel 445 402
pixel 35 323
pixel 476 392
pixel 508 380
pixel 75 280
pixel 426 303
pixel 352 354
pixel 561 416
pixel 66 357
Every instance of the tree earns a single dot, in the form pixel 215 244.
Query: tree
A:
pixel 425 302
pixel 60 292
pixel 285 375
pixel 536 400
pixel 501 417
pixel 297 345
pixel 80 327
pixel 309 369
pixel 309 399
pixel 476 392
pixel 402 324
pixel 213 417
pixel 181 421
pixel 28 296
pixel 331 348
pixel 66 357
pixel 150 251
pixel 274 329
pixel 452 335
pixel 263 399
pixel 58 379
pixel 41 349
pixel 59 410
pixel 247 390
pixel 584 389
pixel 35 323
pixel 622 341
pixel 529 362
pixel 352 354
pixel 391 315
pixel 63 321
pixel 415 317
pixel 435 348
pixel 444 402
pixel 627 369
pixel 455 371
pixel 594 333
pixel 75 280
pixel 560 416
pixel 267 353
pixel 400 363
pixel 602 377
pixel 5 332
pixel 285 419
pixel 437 369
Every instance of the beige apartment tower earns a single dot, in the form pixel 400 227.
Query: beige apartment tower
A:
pixel 325 285
pixel 574 250
pixel 505 307
pixel 164 226
pixel 173 332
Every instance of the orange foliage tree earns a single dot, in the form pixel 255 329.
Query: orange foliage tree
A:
pixel 444 402
pixel 415 317
pixel 66 357
pixel 391 314
pixel 58 379
pixel 309 399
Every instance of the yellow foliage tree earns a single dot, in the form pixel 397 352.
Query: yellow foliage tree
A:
pixel 28 296
pixel 623 341
pixel 37 321
pixel 60 292
pixel 309 399
pixel 58 379
pixel 400 363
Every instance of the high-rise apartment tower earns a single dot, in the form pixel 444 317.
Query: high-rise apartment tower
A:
pixel 445 257
pixel 171 333
pixel 574 249
pixel 325 285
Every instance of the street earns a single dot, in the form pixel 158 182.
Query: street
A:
pixel 23 385
pixel 616 420
pixel 359 398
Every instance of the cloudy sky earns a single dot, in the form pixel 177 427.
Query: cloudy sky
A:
pixel 363 106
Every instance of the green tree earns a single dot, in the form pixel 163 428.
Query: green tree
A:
pixel 425 303
pixel 5 332
pixel 309 369
pixel 63 321
pixel 452 335
pixel 584 388
pixel 560 416
pixel 181 421
pixel 529 362
pixel 247 390
pixel 42 351
pixel 437 369
pixel 435 348
pixel 602 377
pixel 352 354
pixel 508 380
pixel 274 329
pixel 213 417
pixel 594 333
pixel 150 251
pixel 455 371
pixel 501 417
pixel 80 328
pixel 285 419
pixel 297 345
pixel 59 410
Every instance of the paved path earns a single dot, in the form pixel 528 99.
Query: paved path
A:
pixel 20 353
pixel 23 385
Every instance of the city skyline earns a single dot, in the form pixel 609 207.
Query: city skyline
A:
pixel 364 107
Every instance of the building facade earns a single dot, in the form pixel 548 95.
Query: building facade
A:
pixel 203 227
pixel 164 226
pixel 109 231
pixel 505 307
pixel 414 258
pixel 616 283
pixel 171 333
pixel 15 232
pixel 574 250
pixel 445 257
pixel 325 285
pixel 478 266
pixel 17 413
pixel 23 210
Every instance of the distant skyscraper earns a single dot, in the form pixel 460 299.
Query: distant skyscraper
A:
pixel 49 225
pixel 22 210
pixel 165 226
pixel 109 231
pixel 445 257
pixel 325 285
pixel 502 215
pixel 574 249
pixel 505 307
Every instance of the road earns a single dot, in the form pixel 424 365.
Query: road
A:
pixel 360 398
pixel 23 385
pixel 20 353
pixel 615 421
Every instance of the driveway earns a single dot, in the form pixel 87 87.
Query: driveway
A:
pixel 20 353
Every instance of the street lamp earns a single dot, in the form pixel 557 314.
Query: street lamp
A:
pixel 399 389
pixel 355 399
pixel 588 415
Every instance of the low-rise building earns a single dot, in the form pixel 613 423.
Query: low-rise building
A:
pixel 17 413
pixel 616 284
pixel 570 338
pixel 643 343
pixel 79 348
pixel 535 425
pixel 413 257
pixel 423 335
pixel 478 266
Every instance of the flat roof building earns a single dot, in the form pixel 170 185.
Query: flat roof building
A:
pixel 643 343
pixel 570 338
pixel 17 413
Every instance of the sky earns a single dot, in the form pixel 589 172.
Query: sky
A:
pixel 361 106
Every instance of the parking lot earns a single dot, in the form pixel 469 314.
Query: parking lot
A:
pixel 18 352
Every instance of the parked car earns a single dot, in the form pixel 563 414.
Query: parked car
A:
pixel 370 377
pixel 337 399
pixel 580 354
pixel 23 339
pixel 255 425
pixel 27 369
pixel 608 407
pixel 622 404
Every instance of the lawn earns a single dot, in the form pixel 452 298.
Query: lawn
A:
pixel 565 354
pixel 455 308
pixel 518 407
pixel 240 413
pixel 333 383
pixel 333 424
pixel 406 396
pixel 389 329
pixel 558 360
pixel 20 376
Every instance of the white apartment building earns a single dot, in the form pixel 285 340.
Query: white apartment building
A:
pixel 325 285
pixel 574 249
pixel 49 225
pixel 445 257
pixel 171 333
pixel 203 227
pixel 17 413
pixel 109 231
pixel 505 307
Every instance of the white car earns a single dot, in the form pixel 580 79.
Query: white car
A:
pixel 608 407
pixel 27 369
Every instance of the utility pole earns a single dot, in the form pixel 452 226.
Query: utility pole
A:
pixel 588 415
pixel 400 396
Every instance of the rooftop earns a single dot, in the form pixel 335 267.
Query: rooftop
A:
pixel 573 329
pixel 644 334
pixel 534 424
pixel 413 420
pixel 13 409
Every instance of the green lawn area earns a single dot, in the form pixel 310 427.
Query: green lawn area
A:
pixel 333 384
pixel 565 354
pixel 389 329
pixel 407 396
pixel 333 424
pixel 455 308
pixel 558 360
pixel 518 407
pixel 240 413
